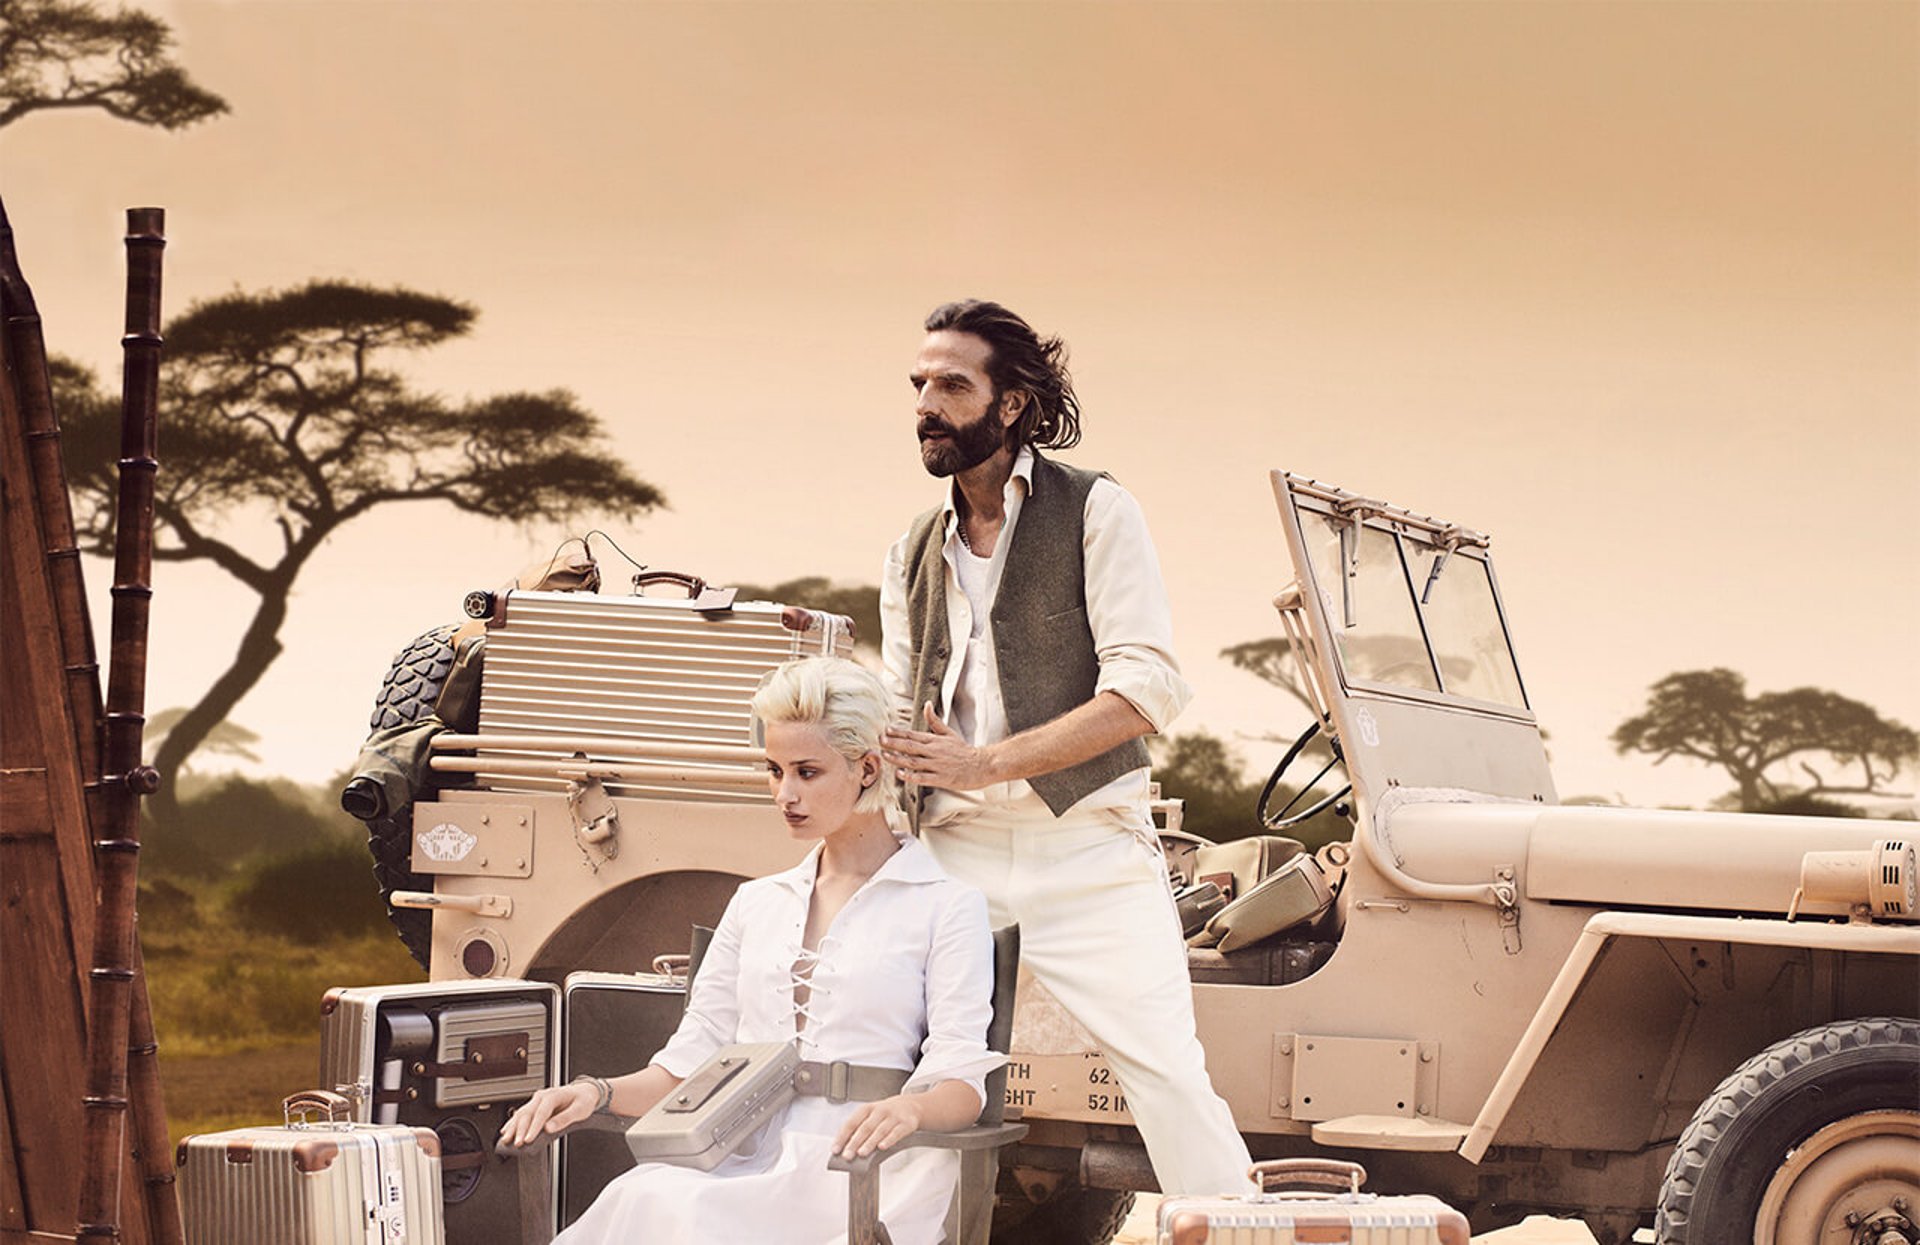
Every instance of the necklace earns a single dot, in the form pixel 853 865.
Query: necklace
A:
pixel 964 542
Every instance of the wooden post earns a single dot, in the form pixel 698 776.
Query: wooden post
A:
pixel 124 779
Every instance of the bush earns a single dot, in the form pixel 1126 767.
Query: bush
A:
pixel 232 820
pixel 319 894
pixel 1806 804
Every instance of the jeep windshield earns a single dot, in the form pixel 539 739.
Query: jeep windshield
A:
pixel 1411 603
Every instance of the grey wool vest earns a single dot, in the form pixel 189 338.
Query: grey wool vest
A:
pixel 1041 636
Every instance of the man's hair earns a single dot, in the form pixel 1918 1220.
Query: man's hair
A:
pixel 1019 358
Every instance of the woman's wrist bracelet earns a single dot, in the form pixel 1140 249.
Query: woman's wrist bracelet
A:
pixel 602 1092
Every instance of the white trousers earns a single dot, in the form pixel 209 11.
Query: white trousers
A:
pixel 1098 929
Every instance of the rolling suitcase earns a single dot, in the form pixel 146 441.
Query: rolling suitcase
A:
pixel 1332 1211
pixel 455 1057
pixel 332 1182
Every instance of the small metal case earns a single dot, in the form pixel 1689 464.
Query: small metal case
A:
pixel 329 1183
pixel 470 1036
pixel 437 1044
pixel 718 1107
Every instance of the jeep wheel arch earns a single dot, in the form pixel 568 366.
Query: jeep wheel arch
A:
pixel 1814 1129
pixel 622 930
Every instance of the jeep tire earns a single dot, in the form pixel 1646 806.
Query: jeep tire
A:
pixel 1816 1127
pixel 1073 1216
pixel 407 695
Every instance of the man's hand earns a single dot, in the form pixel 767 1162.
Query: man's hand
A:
pixel 937 757
pixel 878 1125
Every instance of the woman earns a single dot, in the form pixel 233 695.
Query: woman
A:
pixel 864 952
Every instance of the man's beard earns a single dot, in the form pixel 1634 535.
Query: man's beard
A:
pixel 965 447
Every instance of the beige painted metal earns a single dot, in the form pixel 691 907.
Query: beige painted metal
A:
pixel 658 838
pixel 1852 1171
pixel 490 840
pixel 1686 859
pixel 1603 926
pixel 1337 1076
pixel 1390 1132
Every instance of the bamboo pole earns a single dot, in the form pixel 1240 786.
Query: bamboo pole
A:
pixel 124 779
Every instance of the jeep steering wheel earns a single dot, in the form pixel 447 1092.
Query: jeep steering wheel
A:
pixel 1286 818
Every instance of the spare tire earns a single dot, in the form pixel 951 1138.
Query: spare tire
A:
pixel 407 696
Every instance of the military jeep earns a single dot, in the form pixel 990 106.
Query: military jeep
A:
pixel 1707 1022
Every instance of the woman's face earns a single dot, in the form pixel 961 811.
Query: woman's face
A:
pixel 813 786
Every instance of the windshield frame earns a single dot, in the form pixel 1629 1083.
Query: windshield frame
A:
pixel 1425 535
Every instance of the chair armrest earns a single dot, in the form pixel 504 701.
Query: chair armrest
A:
pixel 977 1137
pixel 593 1123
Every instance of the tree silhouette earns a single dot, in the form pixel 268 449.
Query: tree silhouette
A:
pixel 1708 716
pixel 277 408
pixel 69 54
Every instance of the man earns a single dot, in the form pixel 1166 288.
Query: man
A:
pixel 1025 628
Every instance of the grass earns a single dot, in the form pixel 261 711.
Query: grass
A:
pixel 237 1009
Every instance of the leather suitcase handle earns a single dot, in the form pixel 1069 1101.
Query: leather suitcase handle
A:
pixel 692 583
pixel 1336 1175
pixel 333 1107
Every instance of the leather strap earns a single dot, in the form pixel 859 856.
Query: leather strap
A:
pixel 847 1082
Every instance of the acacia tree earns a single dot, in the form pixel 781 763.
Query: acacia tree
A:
pixel 1707 715
pixel 57 54
pixel 278 409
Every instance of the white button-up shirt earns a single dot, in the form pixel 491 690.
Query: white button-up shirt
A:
pixel 903 978
pixel 1127 612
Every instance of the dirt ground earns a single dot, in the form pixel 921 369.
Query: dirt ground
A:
pixel 1535 1230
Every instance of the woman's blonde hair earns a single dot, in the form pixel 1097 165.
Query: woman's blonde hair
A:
pixel 845 700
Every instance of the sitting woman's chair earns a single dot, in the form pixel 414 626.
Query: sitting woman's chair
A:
pixel 970 1221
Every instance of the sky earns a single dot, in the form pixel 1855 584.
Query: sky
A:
pixel 1635 288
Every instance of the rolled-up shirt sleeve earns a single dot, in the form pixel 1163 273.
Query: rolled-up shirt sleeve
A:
pixel 1127 608
pixel 713 1009
pixel 959 997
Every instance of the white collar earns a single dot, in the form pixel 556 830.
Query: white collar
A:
pixel 1022 471
pixel 913 864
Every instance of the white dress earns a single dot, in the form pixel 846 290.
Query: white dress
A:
pixel 903 978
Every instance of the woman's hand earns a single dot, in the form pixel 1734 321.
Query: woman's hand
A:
pixel 878 1125
pixel 549 1111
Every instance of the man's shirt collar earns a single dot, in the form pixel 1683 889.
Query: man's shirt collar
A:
pixel 1022 471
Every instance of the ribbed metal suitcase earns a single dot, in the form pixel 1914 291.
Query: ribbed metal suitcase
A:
pixel 312 1182
pixel 1339 1215
pixel 611 1024
pixel 455 1057
pixel 640 672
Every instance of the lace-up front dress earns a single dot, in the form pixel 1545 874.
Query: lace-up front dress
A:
pixel 902 979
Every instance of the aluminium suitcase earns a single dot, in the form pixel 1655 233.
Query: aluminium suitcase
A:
pixel 610 677
pixel 1321 1205
pixel 456 1057
pixel 334 1182
pixel 611 1024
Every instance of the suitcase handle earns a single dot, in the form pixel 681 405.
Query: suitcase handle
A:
pixel 1336 1175
pixel 692 583
pixel 699 595
pixel 333 1108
